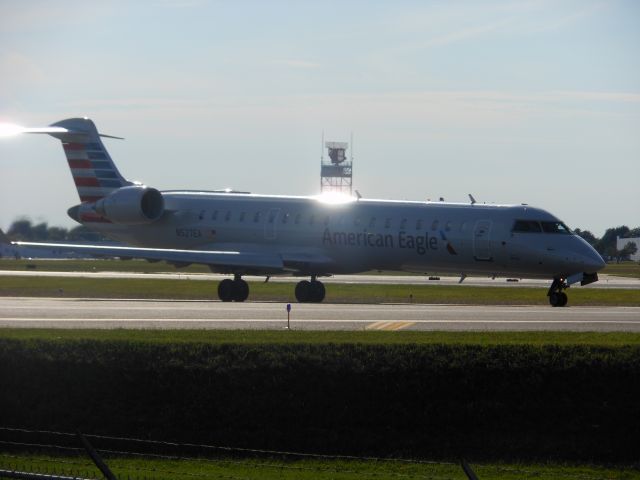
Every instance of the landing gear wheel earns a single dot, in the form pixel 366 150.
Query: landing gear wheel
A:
pixel 563 299
pixel 317 291
pixel 226 290
pixel 241 290
pixel 555 299
pixel 303 291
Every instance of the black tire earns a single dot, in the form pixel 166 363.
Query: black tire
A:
pixel 226 290
pixel 303 291
pixel 318 292
pixel 563 299
pixel 241 290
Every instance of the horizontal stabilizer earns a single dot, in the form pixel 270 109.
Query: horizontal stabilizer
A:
pixel 62 131
pixel 7 129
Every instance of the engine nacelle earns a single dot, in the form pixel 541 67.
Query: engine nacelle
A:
pixel 134 205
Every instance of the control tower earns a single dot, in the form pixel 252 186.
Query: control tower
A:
pixel 336 173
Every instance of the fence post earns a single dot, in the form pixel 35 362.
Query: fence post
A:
pixel 96 458
pixel 468 471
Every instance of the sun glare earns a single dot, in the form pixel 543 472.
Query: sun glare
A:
pixel 335 198
pixel 10 129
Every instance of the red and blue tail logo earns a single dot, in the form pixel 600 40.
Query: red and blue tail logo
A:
pixel 93 171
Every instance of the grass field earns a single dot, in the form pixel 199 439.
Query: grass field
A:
pixel 251 337
pixel 624 269
pixel 276 468
pixel 284 292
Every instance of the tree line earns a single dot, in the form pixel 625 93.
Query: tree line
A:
pixel 607 246
pixel 23 229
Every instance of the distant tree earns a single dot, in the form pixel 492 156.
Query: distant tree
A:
pixel 629 249
pixel 590 238
pixel 608 240
pixel 40 231
pixel 57 233
pixel 633 233
pixel 21 229
pixel 84 234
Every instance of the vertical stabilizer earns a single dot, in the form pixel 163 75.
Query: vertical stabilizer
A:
pixel 93 171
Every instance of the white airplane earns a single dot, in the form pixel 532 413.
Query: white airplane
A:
pixel 240 233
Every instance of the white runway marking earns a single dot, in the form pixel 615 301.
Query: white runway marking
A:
pixel 107 313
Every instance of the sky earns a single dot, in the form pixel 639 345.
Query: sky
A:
pixel 532 102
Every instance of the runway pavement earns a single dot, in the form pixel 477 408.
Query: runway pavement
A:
pixel 108 314
pixel 606 281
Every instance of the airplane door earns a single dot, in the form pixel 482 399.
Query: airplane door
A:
pixel 482 241
pixel 270 223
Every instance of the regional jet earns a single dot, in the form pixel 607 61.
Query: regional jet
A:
pixel 240 233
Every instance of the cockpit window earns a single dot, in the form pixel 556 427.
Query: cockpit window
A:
pixel 533 226
pixel 555 227
pixel 526 226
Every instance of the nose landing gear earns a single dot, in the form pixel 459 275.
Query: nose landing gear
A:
pixel 310 291
pixel 557 298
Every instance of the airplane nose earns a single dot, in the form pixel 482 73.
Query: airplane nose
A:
pixel 593 262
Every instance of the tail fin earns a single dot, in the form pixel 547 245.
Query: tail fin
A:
pixel 93 171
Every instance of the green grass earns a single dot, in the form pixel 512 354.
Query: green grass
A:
pixel 272 468
pixel 183 289
pixel 624 269
pixel 251 337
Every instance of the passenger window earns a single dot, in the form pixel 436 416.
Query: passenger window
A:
pixel 272 217
pixel 214 215
pixel 312 219
pixel 201 216
pixel 434 225
pixel 372 222
pixel 256 217
pixel 297 220
pixel 242 215
pixel 285 217
pixel 387 223
pixel 526 226
pixel 448 226
pixel 419 224
pixel 356 221
pixel 327 219
pixel 403 224
pixel 227 217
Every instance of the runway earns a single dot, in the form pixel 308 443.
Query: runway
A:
pixel 159 314
pixel 606 281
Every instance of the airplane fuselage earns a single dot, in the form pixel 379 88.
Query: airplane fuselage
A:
pixel 361 235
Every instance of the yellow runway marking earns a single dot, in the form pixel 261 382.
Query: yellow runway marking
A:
pixel 389 325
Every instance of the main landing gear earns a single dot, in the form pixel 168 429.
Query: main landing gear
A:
pixel 236 290
pixel 557 298
pixel 310 291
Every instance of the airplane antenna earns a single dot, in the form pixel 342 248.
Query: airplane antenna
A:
pixel 358 195
pixel 473 200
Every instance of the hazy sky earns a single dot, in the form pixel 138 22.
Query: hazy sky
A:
pixel 512 101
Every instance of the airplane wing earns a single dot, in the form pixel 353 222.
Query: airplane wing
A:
pixel 224 261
